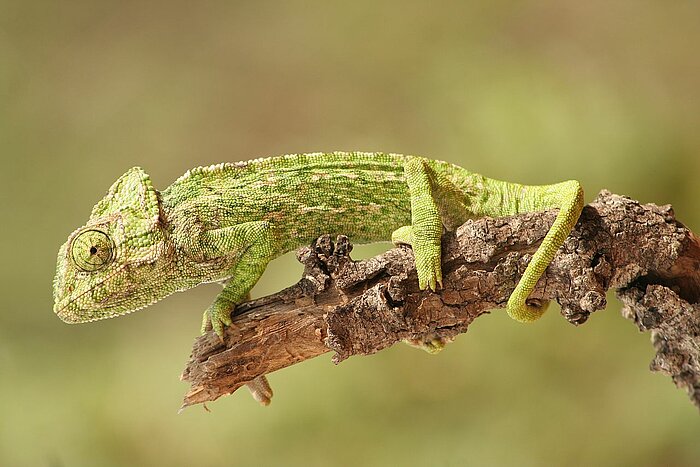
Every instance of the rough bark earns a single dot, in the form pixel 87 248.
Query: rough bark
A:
pixel 359 308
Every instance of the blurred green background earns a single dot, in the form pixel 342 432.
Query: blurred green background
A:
pixel 529 91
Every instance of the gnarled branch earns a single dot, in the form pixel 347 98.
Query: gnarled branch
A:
pixel 359 308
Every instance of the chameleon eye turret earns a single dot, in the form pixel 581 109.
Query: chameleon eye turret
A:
pixel 92 250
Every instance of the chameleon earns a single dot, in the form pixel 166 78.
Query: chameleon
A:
pixel 224 223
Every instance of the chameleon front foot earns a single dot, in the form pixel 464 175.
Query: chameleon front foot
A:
pixel 218 316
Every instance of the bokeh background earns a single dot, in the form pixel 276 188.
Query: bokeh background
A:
pixel 529 91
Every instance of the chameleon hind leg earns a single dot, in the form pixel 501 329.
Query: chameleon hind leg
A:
pixel 435 202
pixel 425 231
pixel 568 197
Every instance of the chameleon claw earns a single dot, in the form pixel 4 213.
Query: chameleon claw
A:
pixel 427 257
pixel 431 282
pixel 226 319
pixel 206 323
pixel 216 319
pixel 431 279
pixel 218 328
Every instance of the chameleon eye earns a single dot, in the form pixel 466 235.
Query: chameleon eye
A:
pixel 92 250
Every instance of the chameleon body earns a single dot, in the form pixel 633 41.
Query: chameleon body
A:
pixel 224 223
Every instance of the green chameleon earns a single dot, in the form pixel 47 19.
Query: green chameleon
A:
pixel 224 223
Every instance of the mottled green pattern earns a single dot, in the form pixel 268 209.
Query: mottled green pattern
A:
pixel 226 222
pixel 361 195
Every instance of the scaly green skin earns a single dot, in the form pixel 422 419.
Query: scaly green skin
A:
pixel 227 221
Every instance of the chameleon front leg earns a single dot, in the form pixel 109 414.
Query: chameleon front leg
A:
pixel 568 197
pixel 251 242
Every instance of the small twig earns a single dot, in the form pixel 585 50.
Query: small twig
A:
pixel 359 308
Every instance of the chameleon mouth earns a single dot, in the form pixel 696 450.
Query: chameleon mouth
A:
pixel 70 307
pixel 65 315
pixel 69 310
pixel 69 313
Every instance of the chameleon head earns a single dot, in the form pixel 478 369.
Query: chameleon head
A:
pixel 120 260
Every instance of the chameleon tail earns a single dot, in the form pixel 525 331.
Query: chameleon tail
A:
pixel 568 197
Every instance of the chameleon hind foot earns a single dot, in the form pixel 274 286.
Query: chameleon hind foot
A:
pixel 427 257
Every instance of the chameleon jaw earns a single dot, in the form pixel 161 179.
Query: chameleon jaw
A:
pixel 70 311
pixel 70 314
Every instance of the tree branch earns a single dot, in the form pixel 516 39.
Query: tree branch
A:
pixel 359 308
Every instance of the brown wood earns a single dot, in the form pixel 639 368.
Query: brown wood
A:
pixel 359 308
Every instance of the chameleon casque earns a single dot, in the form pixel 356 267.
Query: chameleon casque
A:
pixel 227 221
